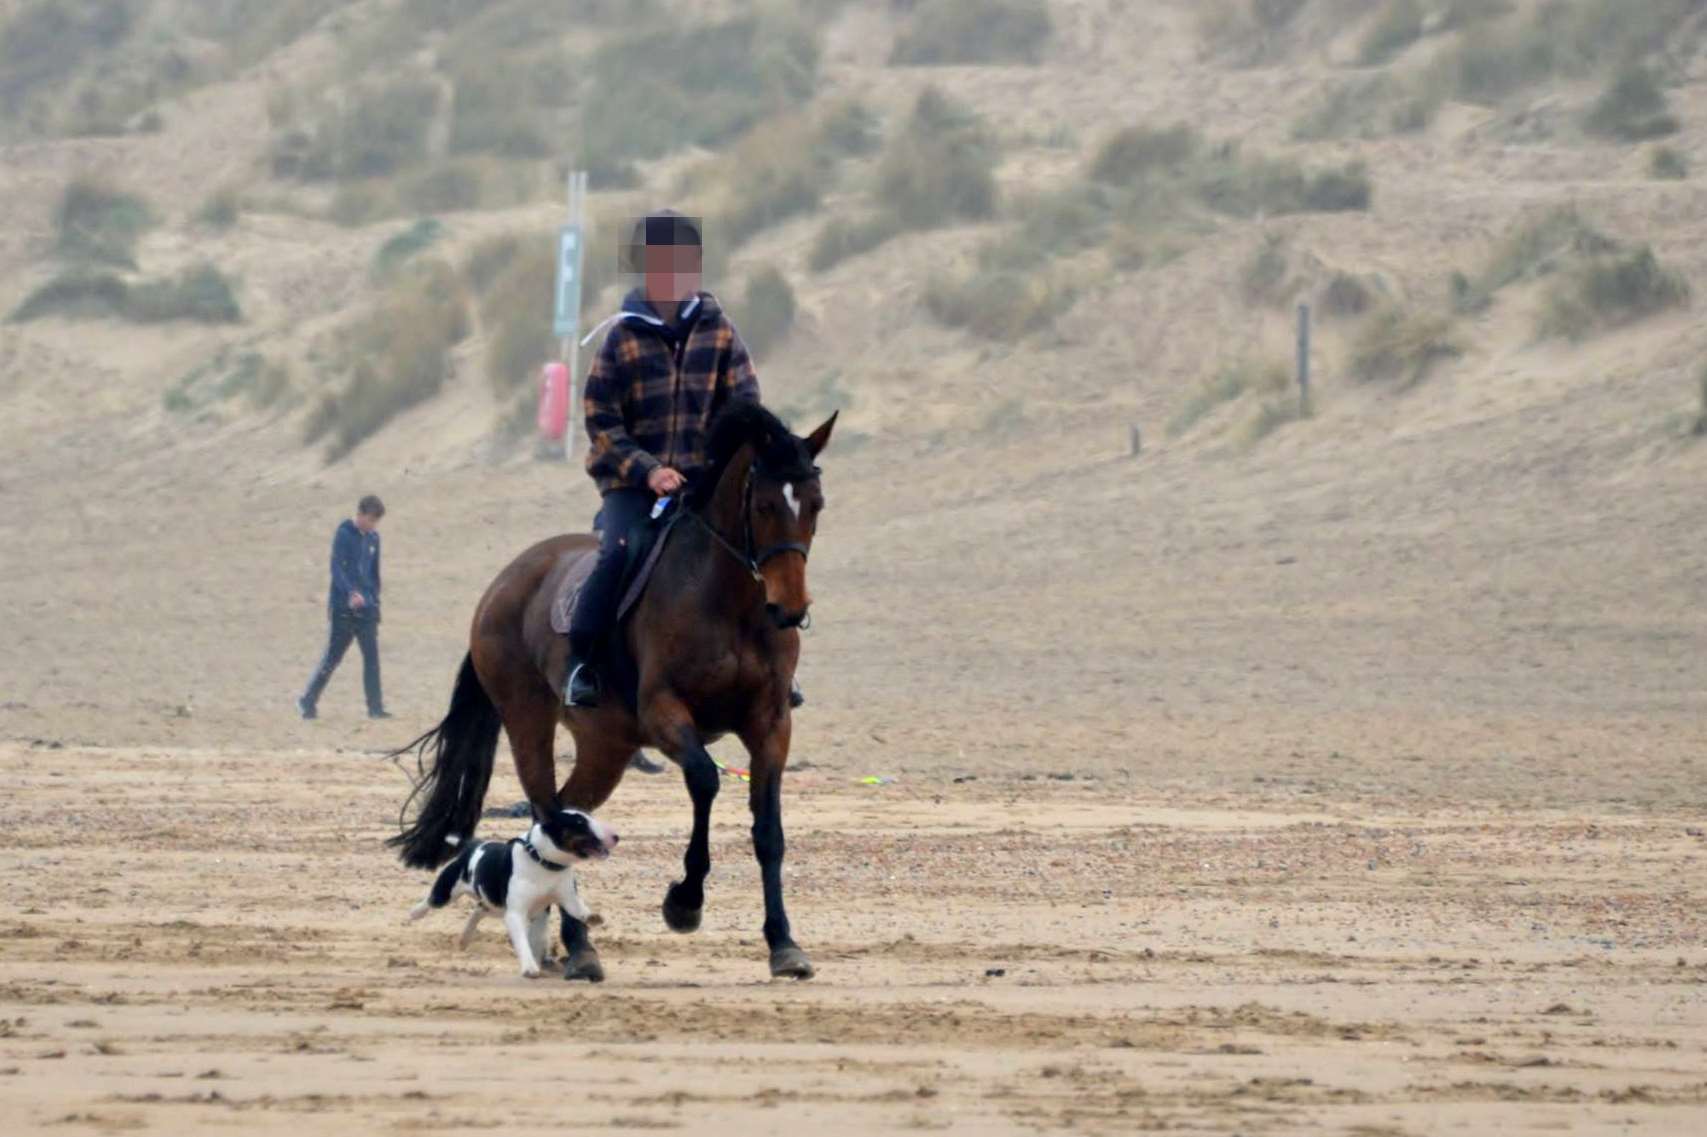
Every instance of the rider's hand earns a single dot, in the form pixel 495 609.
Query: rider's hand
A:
pixel 357 600
pixel 663 481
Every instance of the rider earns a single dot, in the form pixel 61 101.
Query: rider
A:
pixel 671 361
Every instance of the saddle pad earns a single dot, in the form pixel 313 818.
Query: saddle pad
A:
pixel 575 578
pixel 569 590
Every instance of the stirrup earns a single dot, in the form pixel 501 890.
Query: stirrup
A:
pixel 580 686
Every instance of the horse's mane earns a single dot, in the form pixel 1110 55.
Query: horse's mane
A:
pixel 777 452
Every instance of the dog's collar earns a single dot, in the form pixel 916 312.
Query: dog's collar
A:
pixel 534 853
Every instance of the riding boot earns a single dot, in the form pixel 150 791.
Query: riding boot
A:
pixel 580 680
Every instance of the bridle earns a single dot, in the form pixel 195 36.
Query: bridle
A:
pixel 750 560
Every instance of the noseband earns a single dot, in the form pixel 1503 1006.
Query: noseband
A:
pixel 751 560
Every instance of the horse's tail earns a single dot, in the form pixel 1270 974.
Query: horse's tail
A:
pixel 454 785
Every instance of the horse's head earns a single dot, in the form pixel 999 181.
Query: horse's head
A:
pixel 764 495
pixel 786 496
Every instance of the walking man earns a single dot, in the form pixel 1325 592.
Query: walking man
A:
pixel 353 607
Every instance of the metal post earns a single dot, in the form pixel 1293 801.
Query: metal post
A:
pixel 570 348
pixel 1303 361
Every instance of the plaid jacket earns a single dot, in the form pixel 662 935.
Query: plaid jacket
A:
pixel 653 390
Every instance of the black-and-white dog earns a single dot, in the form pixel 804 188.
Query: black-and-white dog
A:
pixel 522 878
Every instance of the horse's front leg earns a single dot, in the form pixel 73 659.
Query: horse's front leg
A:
pixel 768 746
pixel 671 724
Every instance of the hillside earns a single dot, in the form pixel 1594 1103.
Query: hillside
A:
pixel 1489 519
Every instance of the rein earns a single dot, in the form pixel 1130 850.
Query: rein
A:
pixel 750 560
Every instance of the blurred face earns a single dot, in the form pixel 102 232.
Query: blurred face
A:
pixel 367 522
pixel 672 271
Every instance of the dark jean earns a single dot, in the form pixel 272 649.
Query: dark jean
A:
pixel 595 611
pixel 347 626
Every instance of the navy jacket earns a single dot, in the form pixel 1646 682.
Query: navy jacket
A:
pixel 355 568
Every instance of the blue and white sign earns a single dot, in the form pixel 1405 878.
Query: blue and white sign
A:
pixel 566 317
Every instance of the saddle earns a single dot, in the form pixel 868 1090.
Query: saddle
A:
pixel 645 544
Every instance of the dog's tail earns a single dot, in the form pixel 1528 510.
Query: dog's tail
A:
pixel 452 782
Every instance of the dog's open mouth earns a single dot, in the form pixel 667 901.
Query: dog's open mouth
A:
pixel 589 849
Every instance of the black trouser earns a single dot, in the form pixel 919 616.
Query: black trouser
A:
pixel 595 611
pixel 347 626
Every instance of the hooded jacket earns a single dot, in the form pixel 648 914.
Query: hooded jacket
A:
pixel 654 388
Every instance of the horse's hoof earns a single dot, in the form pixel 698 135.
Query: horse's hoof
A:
pixel 790 963
pixel 679 917
pixel 584 965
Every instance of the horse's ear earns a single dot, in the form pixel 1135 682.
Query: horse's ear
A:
pixel 820 438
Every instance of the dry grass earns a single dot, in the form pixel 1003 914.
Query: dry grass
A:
pixel 1003 306
pixel 941 167
pixel 397 355
pixel 767 314
pixel 1611 291
pixel 1402 346
pixel 974 31
pixel 1234 380
pixel 1538 246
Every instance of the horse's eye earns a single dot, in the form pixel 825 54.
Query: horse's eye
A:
pixel 767 508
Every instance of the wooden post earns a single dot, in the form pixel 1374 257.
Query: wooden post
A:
pixel 1303 361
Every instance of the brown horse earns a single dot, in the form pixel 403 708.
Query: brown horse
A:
pixel 709 649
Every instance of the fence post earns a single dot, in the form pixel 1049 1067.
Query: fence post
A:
pixel 1303 361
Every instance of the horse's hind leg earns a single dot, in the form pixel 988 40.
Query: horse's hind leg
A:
pixel 530 719
pixel 599 766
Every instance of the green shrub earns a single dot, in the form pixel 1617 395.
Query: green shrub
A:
pixel 1632 108
pixel 1136 152
pixel 488 259
pixel 202 294
pixel 1399 24
pixel 1610 291
pixel 841 239
pixel 1368 107
pixel 1263 280
pixel 516 314
pixel 1537 247
pixel 1230 183
pixel 44 41
pixel 1227 384
pixel 1001 306
pixel 974 31
pixel 1404 346
pixel 1246 31
pixel 97 222
pixel 410 242
pixel 1347 189
pixel 768 314
pixel 646 91
pixel 491 112
pixel 381 130
pixel 221 209
pixel 398 355
pixel 941 168
pixel 1054 224
pixel 1667 164
pixel 445 188
pixel 75 295
pixel 1345 295
pixel 849 128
